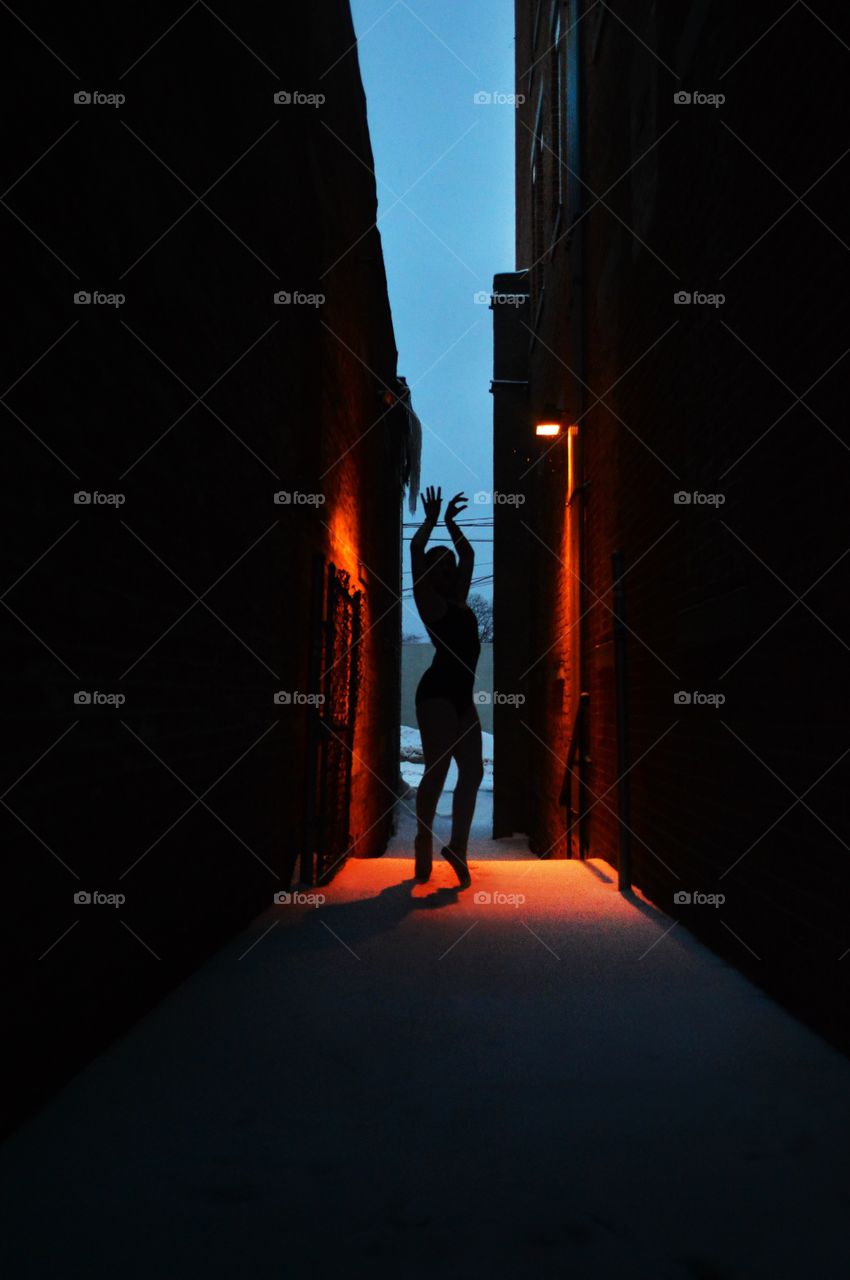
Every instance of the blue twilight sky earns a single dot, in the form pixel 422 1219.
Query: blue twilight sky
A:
pixel 451 159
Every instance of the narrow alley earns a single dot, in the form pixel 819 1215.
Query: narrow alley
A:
pixel 426 638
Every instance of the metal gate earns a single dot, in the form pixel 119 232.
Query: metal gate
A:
pixel 335 674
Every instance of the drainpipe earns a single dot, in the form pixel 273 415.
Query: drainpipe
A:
pixel 621 700
pixel 575 70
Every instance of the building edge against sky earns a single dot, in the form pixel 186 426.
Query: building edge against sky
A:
pixel 450 156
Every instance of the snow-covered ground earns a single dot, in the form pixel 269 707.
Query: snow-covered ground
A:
pixel 481 843
pixel 412 766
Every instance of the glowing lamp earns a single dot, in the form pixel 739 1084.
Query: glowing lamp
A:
pixel 547 429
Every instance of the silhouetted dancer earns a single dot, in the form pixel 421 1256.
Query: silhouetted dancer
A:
pixel 448 721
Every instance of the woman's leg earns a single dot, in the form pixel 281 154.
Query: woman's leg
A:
pixel 470 770
pixel 438 728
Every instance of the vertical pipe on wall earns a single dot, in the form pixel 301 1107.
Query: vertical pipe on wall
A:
pixel 621 704
pixel 313 714
pixel 578 250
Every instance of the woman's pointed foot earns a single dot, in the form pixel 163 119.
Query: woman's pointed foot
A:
pixel 457 862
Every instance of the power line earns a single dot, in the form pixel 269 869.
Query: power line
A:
pixel 479 564
pixel 408 572
pixel 476 582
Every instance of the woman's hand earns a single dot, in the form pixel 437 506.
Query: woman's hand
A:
pixel 453 510
pixel 432 500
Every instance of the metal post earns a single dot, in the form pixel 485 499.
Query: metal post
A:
pixel 620 677
pixel 313 736
pixel 584 758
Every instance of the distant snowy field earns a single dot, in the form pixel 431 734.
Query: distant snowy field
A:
pixel 412 766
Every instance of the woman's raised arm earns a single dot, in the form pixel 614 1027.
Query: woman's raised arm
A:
pixel 428 600
pixel 465 554
pixel 432 500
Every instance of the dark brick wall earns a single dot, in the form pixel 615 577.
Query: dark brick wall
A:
pixel 699 398
pixel 548 564
pixel 512 618
pixel 198 199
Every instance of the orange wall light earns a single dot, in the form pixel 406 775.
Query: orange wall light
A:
pixel 547 429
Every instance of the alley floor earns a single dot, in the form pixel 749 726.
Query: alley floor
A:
pixel 412 1081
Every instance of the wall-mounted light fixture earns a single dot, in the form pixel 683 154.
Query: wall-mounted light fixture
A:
pixel 550 422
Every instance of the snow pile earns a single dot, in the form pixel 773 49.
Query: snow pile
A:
pixel 411 744
pixel 412 765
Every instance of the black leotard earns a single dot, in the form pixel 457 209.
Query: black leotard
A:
pixel 452 672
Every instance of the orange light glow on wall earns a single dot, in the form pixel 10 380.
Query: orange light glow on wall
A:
pixel 547 429
pixel 344 538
